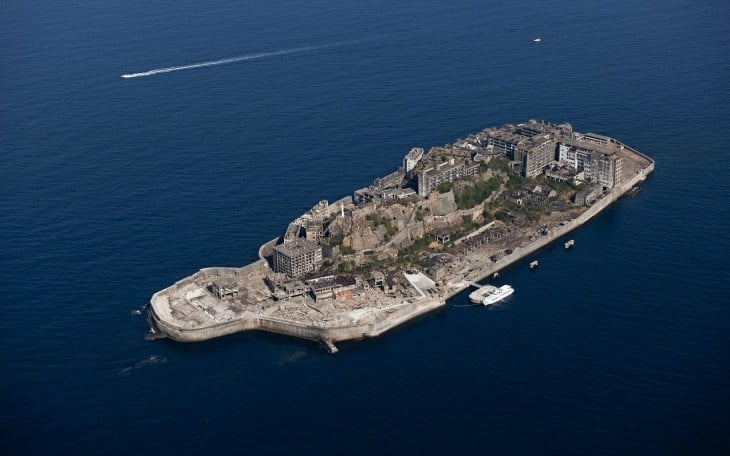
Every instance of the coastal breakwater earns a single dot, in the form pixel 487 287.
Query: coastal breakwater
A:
pixel 521 252
pixel 216 302
pixel 248 321
pixel 330 335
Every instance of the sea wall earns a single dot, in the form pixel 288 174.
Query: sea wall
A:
pixel 556 233
pixel 292 328
pixel 267 248
pixel 330 335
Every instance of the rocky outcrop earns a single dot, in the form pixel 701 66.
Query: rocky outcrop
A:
pixel 362 236
pixel 442 203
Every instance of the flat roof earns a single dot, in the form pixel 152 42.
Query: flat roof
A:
pixel 296 247
pixel 610 150
pixel 414 152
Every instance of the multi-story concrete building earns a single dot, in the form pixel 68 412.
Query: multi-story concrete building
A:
pixel 397 193
pixel 430 178
pixel 411 159
pixel 541 151
pixel 598 160
pixel 297 257
pixel 505 140
pixel 224 290
pixel 332 287
pixel 530 145
pixel 608 170
pixel 314 231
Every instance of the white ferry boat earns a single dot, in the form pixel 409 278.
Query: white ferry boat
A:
pixel 477 296
pixel 498 295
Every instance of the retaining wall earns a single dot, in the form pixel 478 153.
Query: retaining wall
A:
pixel 397 318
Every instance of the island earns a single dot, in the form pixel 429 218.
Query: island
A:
pixel 402 246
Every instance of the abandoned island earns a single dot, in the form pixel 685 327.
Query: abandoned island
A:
pixel 402 246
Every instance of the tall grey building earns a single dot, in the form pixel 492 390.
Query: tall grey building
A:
pixel 297 257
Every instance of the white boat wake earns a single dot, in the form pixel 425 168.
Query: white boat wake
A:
pixel 240 58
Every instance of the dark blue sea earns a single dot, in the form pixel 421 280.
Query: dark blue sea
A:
pixel 113 188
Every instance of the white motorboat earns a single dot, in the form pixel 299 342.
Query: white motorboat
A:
pixel 477 296
pixel 498 295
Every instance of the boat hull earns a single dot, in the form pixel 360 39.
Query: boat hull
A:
pixel 500 294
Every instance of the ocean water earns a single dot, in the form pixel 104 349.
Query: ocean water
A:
pixel 114 188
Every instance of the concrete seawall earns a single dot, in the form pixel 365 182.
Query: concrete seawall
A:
pixel 327 335
pixel 253 321
pixel 520 252
pixel 331 334
pixel 266 248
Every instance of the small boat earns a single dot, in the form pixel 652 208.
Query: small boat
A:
pixel 498 294
pixel 533 264
pixel 478 295
pixel 537 40
pixel 569 244
pixel 633 191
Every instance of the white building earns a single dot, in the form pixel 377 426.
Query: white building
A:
pixel 411 159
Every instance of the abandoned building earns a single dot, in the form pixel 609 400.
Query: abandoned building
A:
pixel 297 257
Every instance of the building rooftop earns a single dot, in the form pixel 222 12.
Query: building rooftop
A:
pixel 330 281
pixel 609 150
pixel 414 153
pixel 296 247
pixel 556 169
pixel 293 285
pixel 443 167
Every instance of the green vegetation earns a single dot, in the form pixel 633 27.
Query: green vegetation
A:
pixel 471 195
pixel 488 217
pixel 468 193
pixel 389 228
pixel 375 265
pixel 499 164
pixel 445 187
pixel 515 181
pixel 468 225
pixel 414 254
pixel 377 220
pixel 532 216
pixel 520 214
pixel 418 245
pixel 563 188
